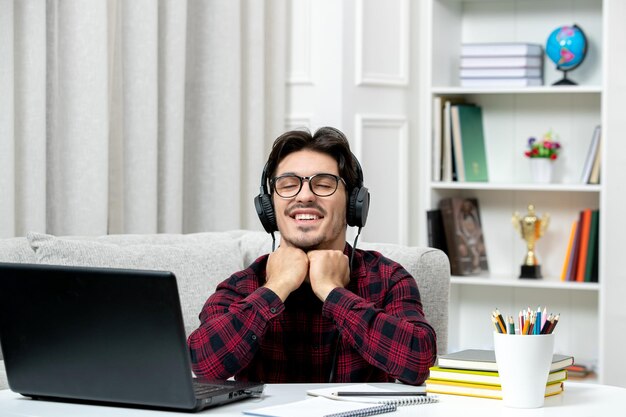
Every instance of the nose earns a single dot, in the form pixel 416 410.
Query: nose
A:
pixel 305 193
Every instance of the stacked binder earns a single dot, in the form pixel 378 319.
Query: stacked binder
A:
pixel 501 65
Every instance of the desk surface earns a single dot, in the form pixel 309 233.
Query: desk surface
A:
pixel 578 399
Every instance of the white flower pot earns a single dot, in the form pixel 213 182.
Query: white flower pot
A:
pixel 541 170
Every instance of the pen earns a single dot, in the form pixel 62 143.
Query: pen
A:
pixel 378 394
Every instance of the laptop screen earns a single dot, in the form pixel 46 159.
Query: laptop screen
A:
pixel 94 334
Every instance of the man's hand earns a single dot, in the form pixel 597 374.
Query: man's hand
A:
pixel 286 270
pixel 328 269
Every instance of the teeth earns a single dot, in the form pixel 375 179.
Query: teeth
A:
pixel 306 217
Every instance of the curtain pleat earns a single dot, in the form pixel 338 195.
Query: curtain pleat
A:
pixel 78 134
pixel 172 63
pixel 213 116
pixel 140 126
pixel 137 116
pixel 7 131
pixel 30 115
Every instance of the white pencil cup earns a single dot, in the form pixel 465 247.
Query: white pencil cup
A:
pixel 523 365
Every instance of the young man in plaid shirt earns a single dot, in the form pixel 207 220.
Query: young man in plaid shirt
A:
pixel 315 309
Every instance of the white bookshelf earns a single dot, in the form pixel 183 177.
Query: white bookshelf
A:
pixel 510 116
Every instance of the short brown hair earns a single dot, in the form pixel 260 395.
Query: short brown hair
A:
pixel 326 140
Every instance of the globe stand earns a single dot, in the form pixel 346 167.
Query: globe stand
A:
pixel 565 80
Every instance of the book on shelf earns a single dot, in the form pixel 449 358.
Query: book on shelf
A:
pixel 591 273
pixel 457 147
pixel 590 159
pixel 502 82
pixel 478 390
pixel 437 138
pixel 482 377
pixel 522 61
pixel 585 223
pixel 579 371
pixel 469 143
pixel 568 253
pixel 436 233
pixel 501 72
pixel 464 236
pixel 572 262
pixel 443 136
pixel 581 258
pixel 594 177
pixel 485 360
pixel 501 49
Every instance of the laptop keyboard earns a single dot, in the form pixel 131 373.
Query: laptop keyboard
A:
pixel 203 390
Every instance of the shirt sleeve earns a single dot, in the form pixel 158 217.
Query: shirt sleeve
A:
pixel 232 324
pixel 393 334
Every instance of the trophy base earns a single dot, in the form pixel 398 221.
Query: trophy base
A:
pixel 531 271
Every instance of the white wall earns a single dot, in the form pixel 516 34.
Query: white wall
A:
pixel 352 65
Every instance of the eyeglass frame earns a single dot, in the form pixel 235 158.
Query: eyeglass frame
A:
pixel 308 179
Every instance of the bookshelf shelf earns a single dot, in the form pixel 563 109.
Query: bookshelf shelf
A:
pixel 566 188
pixel 578 89
pixel 507 281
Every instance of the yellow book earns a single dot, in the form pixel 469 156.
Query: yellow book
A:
pixel 437 386
pixel 482 377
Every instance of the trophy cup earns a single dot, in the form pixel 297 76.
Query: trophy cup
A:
pixel 531 228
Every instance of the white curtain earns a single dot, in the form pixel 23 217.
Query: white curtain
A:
pixel 137 116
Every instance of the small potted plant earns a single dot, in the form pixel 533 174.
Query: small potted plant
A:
pixel 542 154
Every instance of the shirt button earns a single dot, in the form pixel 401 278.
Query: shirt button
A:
pixel 253 337
pixel 273 310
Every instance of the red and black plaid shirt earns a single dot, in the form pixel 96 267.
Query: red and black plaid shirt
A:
pixel 376 325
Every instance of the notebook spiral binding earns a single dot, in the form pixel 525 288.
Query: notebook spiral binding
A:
pixel 411 400
pixel 370 411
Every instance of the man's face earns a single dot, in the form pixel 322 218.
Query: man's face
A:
pixel 308 221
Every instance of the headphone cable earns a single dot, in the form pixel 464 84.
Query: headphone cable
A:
pixel 358 233
pixel 333 363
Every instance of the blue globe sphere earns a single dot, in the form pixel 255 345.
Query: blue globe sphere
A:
pixel 566 47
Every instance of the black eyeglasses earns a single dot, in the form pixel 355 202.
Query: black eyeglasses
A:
pixel 322 185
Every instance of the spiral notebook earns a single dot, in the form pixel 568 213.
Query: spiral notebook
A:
pixel 324 402
pixel 331 393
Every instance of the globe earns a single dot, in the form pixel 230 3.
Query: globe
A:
pixel 566 47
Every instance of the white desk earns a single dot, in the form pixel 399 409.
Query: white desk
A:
pixel 578 399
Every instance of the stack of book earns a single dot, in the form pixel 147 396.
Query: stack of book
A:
pixel 501 64
pixel 581 258
pixel 474 373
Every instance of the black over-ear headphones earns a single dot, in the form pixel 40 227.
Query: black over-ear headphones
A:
pixel 356 211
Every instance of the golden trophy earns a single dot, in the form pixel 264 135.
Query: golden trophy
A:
pixel 531 228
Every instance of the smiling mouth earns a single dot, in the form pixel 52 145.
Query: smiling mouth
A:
pixel 306 216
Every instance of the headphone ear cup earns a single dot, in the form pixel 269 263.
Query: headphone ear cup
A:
pixel 358 207
pixel 265 210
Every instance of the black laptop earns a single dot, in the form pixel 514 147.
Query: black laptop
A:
pixel 101 335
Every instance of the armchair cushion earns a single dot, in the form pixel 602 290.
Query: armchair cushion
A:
pixel 193 262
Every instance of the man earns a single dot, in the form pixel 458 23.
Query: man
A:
pixel 305 313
